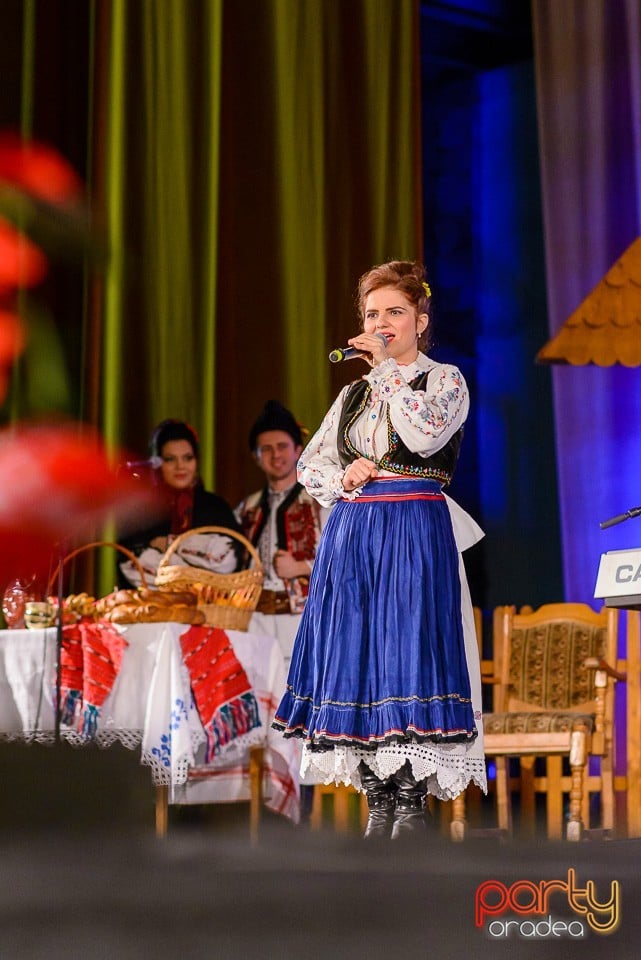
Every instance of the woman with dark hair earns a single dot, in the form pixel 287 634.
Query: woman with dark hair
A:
pixel 175 448
pixel 384 685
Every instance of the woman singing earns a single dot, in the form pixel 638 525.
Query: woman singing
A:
pixel 384 684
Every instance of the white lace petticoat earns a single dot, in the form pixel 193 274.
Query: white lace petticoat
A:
pixel 448 768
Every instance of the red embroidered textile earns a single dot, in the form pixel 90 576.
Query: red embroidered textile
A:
pixel 90 660
pixel 181 505
pixel 224 698
pixel 71 672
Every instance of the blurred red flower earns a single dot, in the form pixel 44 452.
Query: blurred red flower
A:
pixel 34 169
pixel 57 486
pixel 37 168
pixel 12 342
pixel 13 337
pixel 22 264
pixel 57 483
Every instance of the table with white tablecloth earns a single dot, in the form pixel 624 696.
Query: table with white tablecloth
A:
pixel 151 707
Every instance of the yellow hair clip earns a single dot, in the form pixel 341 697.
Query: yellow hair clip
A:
pixel 426 287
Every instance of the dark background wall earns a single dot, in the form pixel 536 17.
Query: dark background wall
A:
pixel 483 237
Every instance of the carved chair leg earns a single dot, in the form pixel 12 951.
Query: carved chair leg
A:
pixel 585 802
pixel 554 797
pixel 527 804
pixel 503 795
pixel 458 822
pixel 341 810
pixel 256 791
pixel 578 760
pixel 162 811
pixel 607 795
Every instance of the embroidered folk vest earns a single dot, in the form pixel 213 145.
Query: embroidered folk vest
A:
pixel 297 522
pixel 297 531
pixel 398 459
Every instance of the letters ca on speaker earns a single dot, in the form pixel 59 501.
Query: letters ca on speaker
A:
pixel 547 910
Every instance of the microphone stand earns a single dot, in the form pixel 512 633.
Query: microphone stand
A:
pixel 59 636
pixel 628 515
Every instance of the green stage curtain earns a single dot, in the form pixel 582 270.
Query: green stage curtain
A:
pixel 160 187
pixel 320 120
pixel 257 158
pixel 245 162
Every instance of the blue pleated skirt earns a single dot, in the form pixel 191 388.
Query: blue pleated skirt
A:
pixel 379 655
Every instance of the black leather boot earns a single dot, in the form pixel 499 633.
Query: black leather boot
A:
pixel 409 815
pixel 381 795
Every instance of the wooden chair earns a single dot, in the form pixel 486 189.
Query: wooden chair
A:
pixel 255 801
pixel 554 698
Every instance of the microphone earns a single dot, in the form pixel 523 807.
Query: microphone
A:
pixel 350 353
pixel 634 512
pixel 153 462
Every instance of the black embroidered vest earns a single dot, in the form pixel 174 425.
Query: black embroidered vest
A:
pixel 398 459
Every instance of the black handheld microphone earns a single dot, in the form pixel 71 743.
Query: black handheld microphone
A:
pixel 634 512
pixel 153 462
pixel 350 353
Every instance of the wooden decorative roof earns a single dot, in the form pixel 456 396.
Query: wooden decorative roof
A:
pixel 606 328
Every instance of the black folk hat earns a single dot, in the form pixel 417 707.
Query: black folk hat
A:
pixel 274 416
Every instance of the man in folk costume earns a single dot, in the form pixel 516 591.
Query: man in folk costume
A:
pixel 283 522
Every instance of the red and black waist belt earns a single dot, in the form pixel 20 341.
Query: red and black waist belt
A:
pixel 273 601
pixel 397 489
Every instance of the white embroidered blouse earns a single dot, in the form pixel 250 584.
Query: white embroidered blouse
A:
pixel 424 419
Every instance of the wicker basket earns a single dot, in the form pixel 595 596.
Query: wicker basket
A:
pixel 90 546
pixel 227 599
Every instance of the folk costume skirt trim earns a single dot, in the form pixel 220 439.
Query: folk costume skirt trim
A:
pixel 379 656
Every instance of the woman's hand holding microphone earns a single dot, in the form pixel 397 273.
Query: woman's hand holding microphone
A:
pixel 373 346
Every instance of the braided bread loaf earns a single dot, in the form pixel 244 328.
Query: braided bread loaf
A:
pixel 150 606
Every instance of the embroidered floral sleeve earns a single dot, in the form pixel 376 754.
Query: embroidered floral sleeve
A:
pixel 319 468
pixel 424 419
